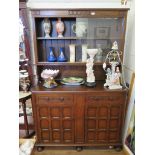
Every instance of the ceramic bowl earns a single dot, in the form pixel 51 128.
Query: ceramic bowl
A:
pixel 92 52
pixel 48 73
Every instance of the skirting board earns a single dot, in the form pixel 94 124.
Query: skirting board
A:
pixel 127 151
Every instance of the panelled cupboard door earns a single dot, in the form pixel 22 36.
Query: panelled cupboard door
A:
pixel 55 119
pixel 103 118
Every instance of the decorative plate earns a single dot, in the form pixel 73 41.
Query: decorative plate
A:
pixel 72 81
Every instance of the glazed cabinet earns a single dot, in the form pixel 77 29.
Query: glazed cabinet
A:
pixel 78 115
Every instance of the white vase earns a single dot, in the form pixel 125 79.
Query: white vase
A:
pixel 47 27
pixel 60 28
pixel 84 52
pixel 72 52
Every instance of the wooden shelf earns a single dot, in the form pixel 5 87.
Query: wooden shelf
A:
pixel 65 63
pixel 56 38
pixel 74 38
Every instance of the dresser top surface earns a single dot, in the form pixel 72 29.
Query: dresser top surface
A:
pixel 81 88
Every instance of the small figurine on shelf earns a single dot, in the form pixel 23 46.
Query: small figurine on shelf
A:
pixel 47 27
pixel 113 74
pixel 61 57
pixel 48 75
pixel 60 28
pixel 51 57
pixel 90 81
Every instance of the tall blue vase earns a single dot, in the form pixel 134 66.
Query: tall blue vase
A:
pixel 61 57
pixel 51 57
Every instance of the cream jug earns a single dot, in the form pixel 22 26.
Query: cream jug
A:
pixel 80 29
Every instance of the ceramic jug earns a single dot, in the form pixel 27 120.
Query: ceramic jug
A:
pixel 80 29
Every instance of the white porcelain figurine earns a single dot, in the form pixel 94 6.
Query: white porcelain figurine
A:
pixel 113 73
pixel 90 81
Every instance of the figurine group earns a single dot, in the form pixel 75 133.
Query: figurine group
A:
pixel 113 73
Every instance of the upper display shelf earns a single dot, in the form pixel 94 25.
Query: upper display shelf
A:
pixel 72 38
pixel 79 28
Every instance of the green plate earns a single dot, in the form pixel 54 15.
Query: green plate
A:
pixel 72 80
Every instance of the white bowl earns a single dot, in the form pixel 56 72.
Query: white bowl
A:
pixel 47 73
pixel 92 52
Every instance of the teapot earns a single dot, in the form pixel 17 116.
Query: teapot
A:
pixel 80 29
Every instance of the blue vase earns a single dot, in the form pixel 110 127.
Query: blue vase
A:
pixel 51 57
pixel 61 57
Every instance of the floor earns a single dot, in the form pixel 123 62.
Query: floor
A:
pixel 55 151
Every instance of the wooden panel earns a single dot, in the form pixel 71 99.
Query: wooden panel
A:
pixel 113 136
pixel 79 117
pixel 45 136
pixel 67 124
pixel 91 136
pixel 91 124
pixel 44 124
pixel 55 112
pixel 103 111
pixel 114 123
pixel 56 124
pixel 114 111
pixel 67 137
pixel 67 112
pixel 102 136
pixel 91 112
pixel 56 137
pixel 102 124
pixel 43 111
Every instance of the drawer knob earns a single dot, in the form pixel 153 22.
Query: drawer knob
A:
pixel 61 99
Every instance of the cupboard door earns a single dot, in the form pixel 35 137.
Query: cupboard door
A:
pixel 96 123
pixel 103 118
pixel 55 121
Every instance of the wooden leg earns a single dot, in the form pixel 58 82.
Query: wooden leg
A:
pixel 25 118
pixel 40 148
pixel 118 148
pixel 79 148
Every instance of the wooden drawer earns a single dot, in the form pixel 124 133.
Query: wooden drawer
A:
pixel 104 98
pixel 55 98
